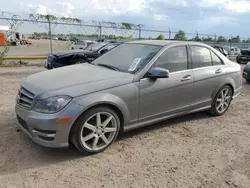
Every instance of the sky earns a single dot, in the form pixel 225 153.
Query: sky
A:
pixel 223 17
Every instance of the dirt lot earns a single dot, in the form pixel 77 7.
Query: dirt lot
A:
pixel 38 47
pixel 193 151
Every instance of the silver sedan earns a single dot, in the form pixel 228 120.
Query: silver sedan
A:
pixel 135 84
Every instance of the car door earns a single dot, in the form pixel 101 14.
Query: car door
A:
pixel 209 71
pixel 171 95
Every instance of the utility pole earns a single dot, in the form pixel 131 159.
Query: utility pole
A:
pixel 50 35
pixel 139 31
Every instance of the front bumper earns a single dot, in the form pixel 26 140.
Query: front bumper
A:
pixel 246 75
pixel 43 129
pixel 47 65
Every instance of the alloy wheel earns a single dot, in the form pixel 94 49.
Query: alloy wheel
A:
pixel 98 131
pixel 223 100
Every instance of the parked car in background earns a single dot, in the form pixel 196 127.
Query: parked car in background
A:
pixel 244 57
pixel 71 57
pixel 82 44
pixel 133 85
pixel 234 51
pixel 246 72
pixel 221 50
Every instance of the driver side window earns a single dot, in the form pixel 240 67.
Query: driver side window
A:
pixel 173 59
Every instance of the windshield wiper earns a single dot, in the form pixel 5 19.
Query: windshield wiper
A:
pixel 109 66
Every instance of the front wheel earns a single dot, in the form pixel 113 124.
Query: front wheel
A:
pixel 95 130
pixel 222 101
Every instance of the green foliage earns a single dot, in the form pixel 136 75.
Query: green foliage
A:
pixel 160 37
pixel 180 35
pixel 126 25
pixel 235 39
pixel 246 41
pixel 207 39
pixel 48 17
pixel 197 38
pixel 221 39
pixel 149 38
pixel 130 37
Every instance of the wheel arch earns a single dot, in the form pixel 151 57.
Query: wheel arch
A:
pixel 104 100
pixel 218 89
pixel 107 105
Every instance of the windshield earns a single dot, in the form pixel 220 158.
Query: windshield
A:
pixel 129 57
pixel 95 47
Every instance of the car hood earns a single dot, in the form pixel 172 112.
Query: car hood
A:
pixel 72 52
pixel 75 80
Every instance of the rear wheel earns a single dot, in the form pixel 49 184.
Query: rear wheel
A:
pixel 95 130
pixel 222 101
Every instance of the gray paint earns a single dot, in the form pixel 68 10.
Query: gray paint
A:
pixel 140 100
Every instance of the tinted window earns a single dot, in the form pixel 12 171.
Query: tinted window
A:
pixel 80 43
pixel 95 47
pixel 216 59
pixel 70 60
pixel 201 57
pixel 89 43
pixel 109 47
pixel 173 59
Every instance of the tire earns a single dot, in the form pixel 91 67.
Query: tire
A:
pixel 215 109
pixel 94 134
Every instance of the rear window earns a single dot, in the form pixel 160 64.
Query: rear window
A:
pixel 245 52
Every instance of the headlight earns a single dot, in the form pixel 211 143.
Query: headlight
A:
pixel 52 105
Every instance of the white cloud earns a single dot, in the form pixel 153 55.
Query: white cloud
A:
pixel 114 7
pixel 182 3
pixel 216 21
pixel 239 6
pixel 66 8
pixel 39 9
pixel 61 9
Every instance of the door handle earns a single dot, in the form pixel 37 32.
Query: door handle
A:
pixel 185 78
pixel 218 71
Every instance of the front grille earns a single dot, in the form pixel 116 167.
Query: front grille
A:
pixel 25 98
pixel 22 123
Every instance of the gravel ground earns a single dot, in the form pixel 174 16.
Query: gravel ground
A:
pixel 194 151
pixel 38 47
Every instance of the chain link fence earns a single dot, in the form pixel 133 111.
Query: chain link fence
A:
pixel 39 35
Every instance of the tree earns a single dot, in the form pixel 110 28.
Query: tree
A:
pixel 208 39
pixel 180 35
pixel 160 37
pixel 149 38
pixel 130 37
pixel 196 38
pixel 221 39
pixel 235 39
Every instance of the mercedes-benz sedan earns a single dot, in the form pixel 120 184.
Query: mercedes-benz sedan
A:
pixel 136 84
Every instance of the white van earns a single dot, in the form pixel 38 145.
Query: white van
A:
pixel 82 44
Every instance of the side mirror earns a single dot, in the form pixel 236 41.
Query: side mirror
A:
pixel 103 51
pixel 158 72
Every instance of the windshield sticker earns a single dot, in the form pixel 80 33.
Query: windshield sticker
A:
pixel 134 65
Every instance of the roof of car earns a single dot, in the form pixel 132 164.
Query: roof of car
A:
pixel 163 42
